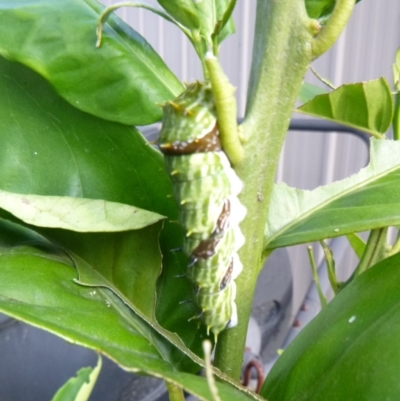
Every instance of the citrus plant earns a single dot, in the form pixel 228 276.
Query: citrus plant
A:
pixel 89 220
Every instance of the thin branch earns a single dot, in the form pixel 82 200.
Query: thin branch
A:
pixel 321 295
pixel 375 244
pixel 330 263
pixel 207 347
pixel 137 4
pixel 324 80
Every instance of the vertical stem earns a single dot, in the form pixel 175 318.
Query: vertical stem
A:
pixel 321 296
pixel 281 55
pixel 330 264
pixel 207 348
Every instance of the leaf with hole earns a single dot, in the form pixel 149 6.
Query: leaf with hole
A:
pixel 80 387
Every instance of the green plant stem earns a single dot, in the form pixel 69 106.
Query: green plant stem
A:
pixel 321 295
pixel 333 28
pixel 281 56
pixel 136 4
pixel 373 249
pixel 330 263
pixel 328 83
pixel 225 103
pixel 175 393
pixel 207 348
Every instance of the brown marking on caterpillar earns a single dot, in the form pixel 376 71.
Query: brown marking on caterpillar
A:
pixel 206 248
pixel 227 277
pixel 208 143
pixel 223 219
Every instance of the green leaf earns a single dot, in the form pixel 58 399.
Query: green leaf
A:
pixel 79 388
pixel 127 263
pixel 309 91
pixel 320 8
pixel 51 299
pixel 350 351
pixel 92 317
pixel 211 13
pixel 49 148
pixel 76 214
pixel 356 243
pixel 183 11
pixel 367 106
pixel 369 199
pixel 122 81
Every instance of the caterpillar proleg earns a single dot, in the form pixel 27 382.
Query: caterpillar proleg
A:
pixel 206 189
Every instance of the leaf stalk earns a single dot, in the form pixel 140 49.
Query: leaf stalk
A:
pixel 330 263
pixel 374 248
pixel 175 392
pixel 321 295
pixel 136 4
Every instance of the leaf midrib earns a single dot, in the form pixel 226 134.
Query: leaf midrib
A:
pixel 327 202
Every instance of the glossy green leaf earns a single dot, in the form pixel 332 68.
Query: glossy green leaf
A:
pixel 92 317
pixel 49 148
pixel 211 13
pixel 367 106
pixel 127 263
pixel 122 81
pixel 80 387
pixel 182 11
pixel 369 199
pixel 320 8
pixel 350 351
pixel 50 299
pixel 76 214
pixel 309 91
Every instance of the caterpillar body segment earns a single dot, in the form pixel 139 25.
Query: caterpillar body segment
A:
pixel 206 189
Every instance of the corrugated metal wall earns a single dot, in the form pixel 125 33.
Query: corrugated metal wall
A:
pixel 364 51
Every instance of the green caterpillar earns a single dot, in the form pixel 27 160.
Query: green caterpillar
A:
pixel 206 189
